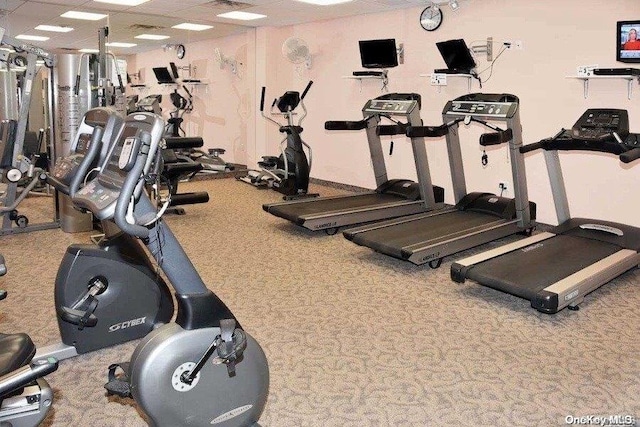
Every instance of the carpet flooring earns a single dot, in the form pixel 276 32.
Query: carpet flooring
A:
pixel 354 338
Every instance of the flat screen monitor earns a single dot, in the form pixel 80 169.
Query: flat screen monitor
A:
pixel 628 41
pixel 456 55
pixel 162 75
pixel 378 53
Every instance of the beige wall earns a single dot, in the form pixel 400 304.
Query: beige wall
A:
pixel 557 37
pixel 223 107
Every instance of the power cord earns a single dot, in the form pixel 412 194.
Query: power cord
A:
pixel 490 67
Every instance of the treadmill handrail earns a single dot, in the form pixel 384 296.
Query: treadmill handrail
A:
pixel 346 124
pixel 496 138
pixel 431 131
pixel 397 129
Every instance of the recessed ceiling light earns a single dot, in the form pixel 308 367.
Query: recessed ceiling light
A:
pixel 34 38
pixel 83 15
pixel 120 44
pixel 243 16
pixel 54 28
pixel 324 2
pixel 192 27
pixel 151 37
pixel 88 50
pixel 123 2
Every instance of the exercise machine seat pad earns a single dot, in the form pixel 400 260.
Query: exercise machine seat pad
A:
pixel 16 350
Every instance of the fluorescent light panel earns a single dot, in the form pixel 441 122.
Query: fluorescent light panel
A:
pixel 88 50
pixel 54 28
pixel 30 37
pixel 123 2
pixel 151 37
pixel 242 16
pixel 324 2
pixel 72 14
pixel 120 44
pixel 192 27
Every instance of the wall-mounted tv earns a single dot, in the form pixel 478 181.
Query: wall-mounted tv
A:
pixel 628 41
pixel 378 53
pixel 456 55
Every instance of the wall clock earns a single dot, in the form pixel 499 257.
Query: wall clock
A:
pixel 431 18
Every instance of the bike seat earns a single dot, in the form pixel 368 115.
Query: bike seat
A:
pixel 16 350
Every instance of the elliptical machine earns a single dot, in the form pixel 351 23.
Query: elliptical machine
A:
pixel 203 369
pixel 211 161
pixel 25 396
pixel 110 293
pixel 288 173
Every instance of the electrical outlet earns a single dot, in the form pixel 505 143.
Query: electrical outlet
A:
pixel 514 44
pixel 502 186
pixel 438 79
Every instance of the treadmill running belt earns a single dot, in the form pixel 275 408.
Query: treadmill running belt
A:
pixel 425 230
pixel 295 211
pixel 527 271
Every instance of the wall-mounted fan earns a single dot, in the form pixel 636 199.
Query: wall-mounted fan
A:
pixel 297 51
pixel 223 61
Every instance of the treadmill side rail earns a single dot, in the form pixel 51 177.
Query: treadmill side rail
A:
pixel 434 250
pixel 571 290
pixel 460 267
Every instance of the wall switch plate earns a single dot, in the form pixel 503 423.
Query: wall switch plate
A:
pixel 438 79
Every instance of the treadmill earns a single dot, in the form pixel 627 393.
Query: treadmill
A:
pixel 392 198
pixel 557 269
pixel 476 218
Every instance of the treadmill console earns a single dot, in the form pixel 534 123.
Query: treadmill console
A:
pixel 389 106
pixel 598 124
pixel 483 105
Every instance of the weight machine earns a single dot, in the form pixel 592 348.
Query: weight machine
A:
pixel 17 166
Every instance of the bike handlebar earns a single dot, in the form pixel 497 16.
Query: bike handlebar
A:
pixel 128 188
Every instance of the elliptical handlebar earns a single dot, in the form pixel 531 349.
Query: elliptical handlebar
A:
pixel 306 89
pixel 128 188
pixel 94 148
pixel 264 90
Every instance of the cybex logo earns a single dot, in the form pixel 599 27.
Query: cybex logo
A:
pixel 127 324
pixel 139 117
pixel 231 414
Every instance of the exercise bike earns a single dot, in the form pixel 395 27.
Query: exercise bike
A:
pixel 288 173
pixel 203 369
pixel 25 396
pixel 109 293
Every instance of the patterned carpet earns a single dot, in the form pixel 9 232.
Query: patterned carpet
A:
pixel 355 338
